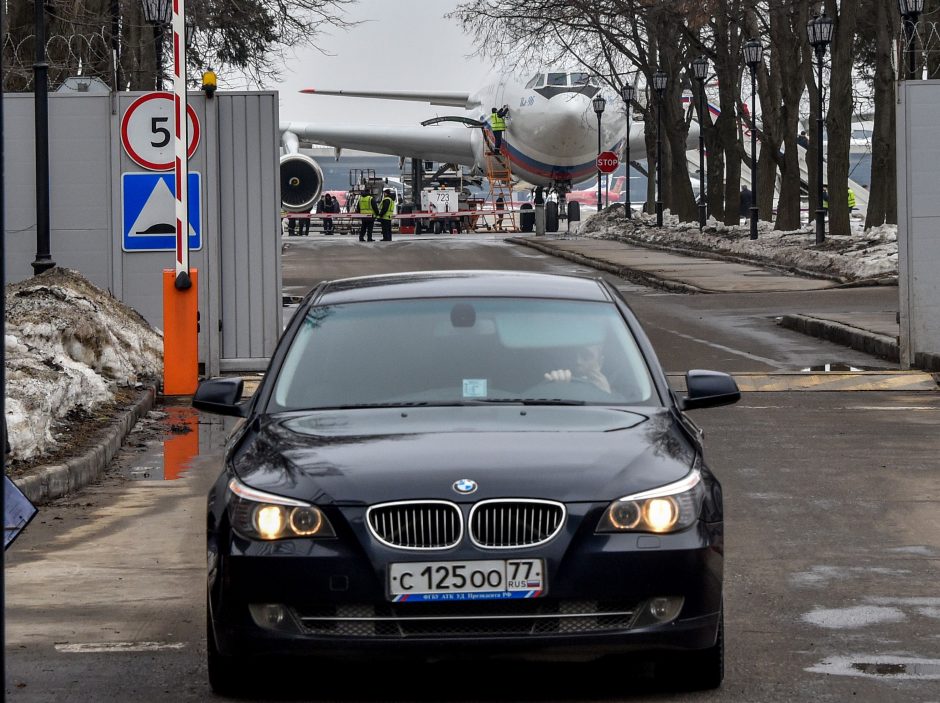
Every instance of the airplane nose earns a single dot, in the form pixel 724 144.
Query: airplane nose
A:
pixel 574 126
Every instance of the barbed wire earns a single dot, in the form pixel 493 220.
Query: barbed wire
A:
pixel 86 54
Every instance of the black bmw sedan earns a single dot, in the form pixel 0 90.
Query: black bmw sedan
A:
pixel 465 463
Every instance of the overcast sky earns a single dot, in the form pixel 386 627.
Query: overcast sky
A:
pixel 401 45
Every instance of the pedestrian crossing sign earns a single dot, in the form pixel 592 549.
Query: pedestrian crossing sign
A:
pixel 148 207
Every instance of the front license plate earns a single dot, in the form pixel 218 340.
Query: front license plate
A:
pixel 492 579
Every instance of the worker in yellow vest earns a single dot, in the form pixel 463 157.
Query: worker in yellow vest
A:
pixel 498 125
pixel 386 213
pixel 367 210
pixel 851 200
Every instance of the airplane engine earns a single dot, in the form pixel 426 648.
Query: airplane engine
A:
pixel 301 182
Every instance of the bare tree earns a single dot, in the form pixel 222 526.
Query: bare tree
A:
pixel 879 26
pixel 839 116
pixel 250 37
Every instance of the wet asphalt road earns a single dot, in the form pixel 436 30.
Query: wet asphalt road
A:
pixel 833 533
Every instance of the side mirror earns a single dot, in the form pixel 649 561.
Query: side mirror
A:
pixel 221 396
pixel 709 389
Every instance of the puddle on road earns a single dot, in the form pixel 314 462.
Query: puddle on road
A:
pixel 166 441
pixel 882 669
pixel 878 666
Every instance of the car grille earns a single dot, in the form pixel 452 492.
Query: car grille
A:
pixel 416 524
pixel 428 620
pixel 508 524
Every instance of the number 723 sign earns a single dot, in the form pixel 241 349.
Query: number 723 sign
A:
pixel 147 131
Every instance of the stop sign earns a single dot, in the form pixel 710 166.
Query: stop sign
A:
pixel 607 162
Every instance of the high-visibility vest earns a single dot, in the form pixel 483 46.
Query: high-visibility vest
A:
pixel 391 208
pixel 497 123
pixel 851 198
pixel 365 205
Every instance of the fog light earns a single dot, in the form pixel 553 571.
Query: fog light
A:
pixel 666 609
pixel 270 616
pixel 274 614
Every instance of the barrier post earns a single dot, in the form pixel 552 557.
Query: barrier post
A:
pixel 180 335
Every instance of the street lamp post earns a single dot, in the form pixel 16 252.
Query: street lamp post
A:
pixel 43 260
pixel 628 94
pixel 819 31
pixel 754 56
pixel 660 81
pixel 599 105
pixel 158 13
pixel 700 69
pixel 910 11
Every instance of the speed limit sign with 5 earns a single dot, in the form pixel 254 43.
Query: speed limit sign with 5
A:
pixel 147 131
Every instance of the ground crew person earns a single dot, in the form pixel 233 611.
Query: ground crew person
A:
pixel 851 200
pixel 386 212
pixel 368 221
pixel 498 125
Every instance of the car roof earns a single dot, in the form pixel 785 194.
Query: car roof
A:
pixel 449 284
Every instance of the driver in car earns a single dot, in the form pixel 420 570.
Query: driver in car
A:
pixel 587 368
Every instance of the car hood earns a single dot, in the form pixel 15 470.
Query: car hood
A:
pixel 372 456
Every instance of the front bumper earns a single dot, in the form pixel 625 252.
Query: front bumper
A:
pixel 330 597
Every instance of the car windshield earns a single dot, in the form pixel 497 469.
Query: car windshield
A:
pixel 462 351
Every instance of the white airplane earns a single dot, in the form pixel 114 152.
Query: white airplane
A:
pixel 550 140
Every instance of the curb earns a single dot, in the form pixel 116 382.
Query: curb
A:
pixel 846 335
pixel 728 257
pixel 629 274
pixel 47 483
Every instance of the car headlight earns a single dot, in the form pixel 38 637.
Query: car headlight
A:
pixel 259 515
pixel 668 508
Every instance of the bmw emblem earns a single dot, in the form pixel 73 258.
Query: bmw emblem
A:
pixel 465 486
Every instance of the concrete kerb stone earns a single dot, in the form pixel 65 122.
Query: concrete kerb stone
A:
pixel 846 335
pixel 47 483
pixel 640 277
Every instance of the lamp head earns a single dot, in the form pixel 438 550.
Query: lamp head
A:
pixel 599 104
pixel 819 32
pixel 660 81
pixel 158 11
pixel 911 9
pixel 753 53
pixel 700 68
pixel 628 93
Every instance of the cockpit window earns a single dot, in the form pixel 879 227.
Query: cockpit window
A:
pixel 558 79
pixel 537 79
pixel 580 78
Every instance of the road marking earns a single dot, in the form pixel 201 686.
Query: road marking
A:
pixel 109 647
pixel 720 347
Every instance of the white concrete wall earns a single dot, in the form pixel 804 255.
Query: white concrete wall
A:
pixel 919 220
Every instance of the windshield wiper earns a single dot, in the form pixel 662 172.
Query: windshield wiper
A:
pixel 444 403
pixel 530 401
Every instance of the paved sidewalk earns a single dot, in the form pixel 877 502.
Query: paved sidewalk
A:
pixel 872 333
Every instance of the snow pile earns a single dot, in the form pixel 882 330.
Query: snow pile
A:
pixel 68 345
pixel 864 256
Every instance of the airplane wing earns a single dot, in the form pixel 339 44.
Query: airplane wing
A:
pixel 447 144
pixel 461 100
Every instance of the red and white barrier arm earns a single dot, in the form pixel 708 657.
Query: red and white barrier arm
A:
pixel 182 142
